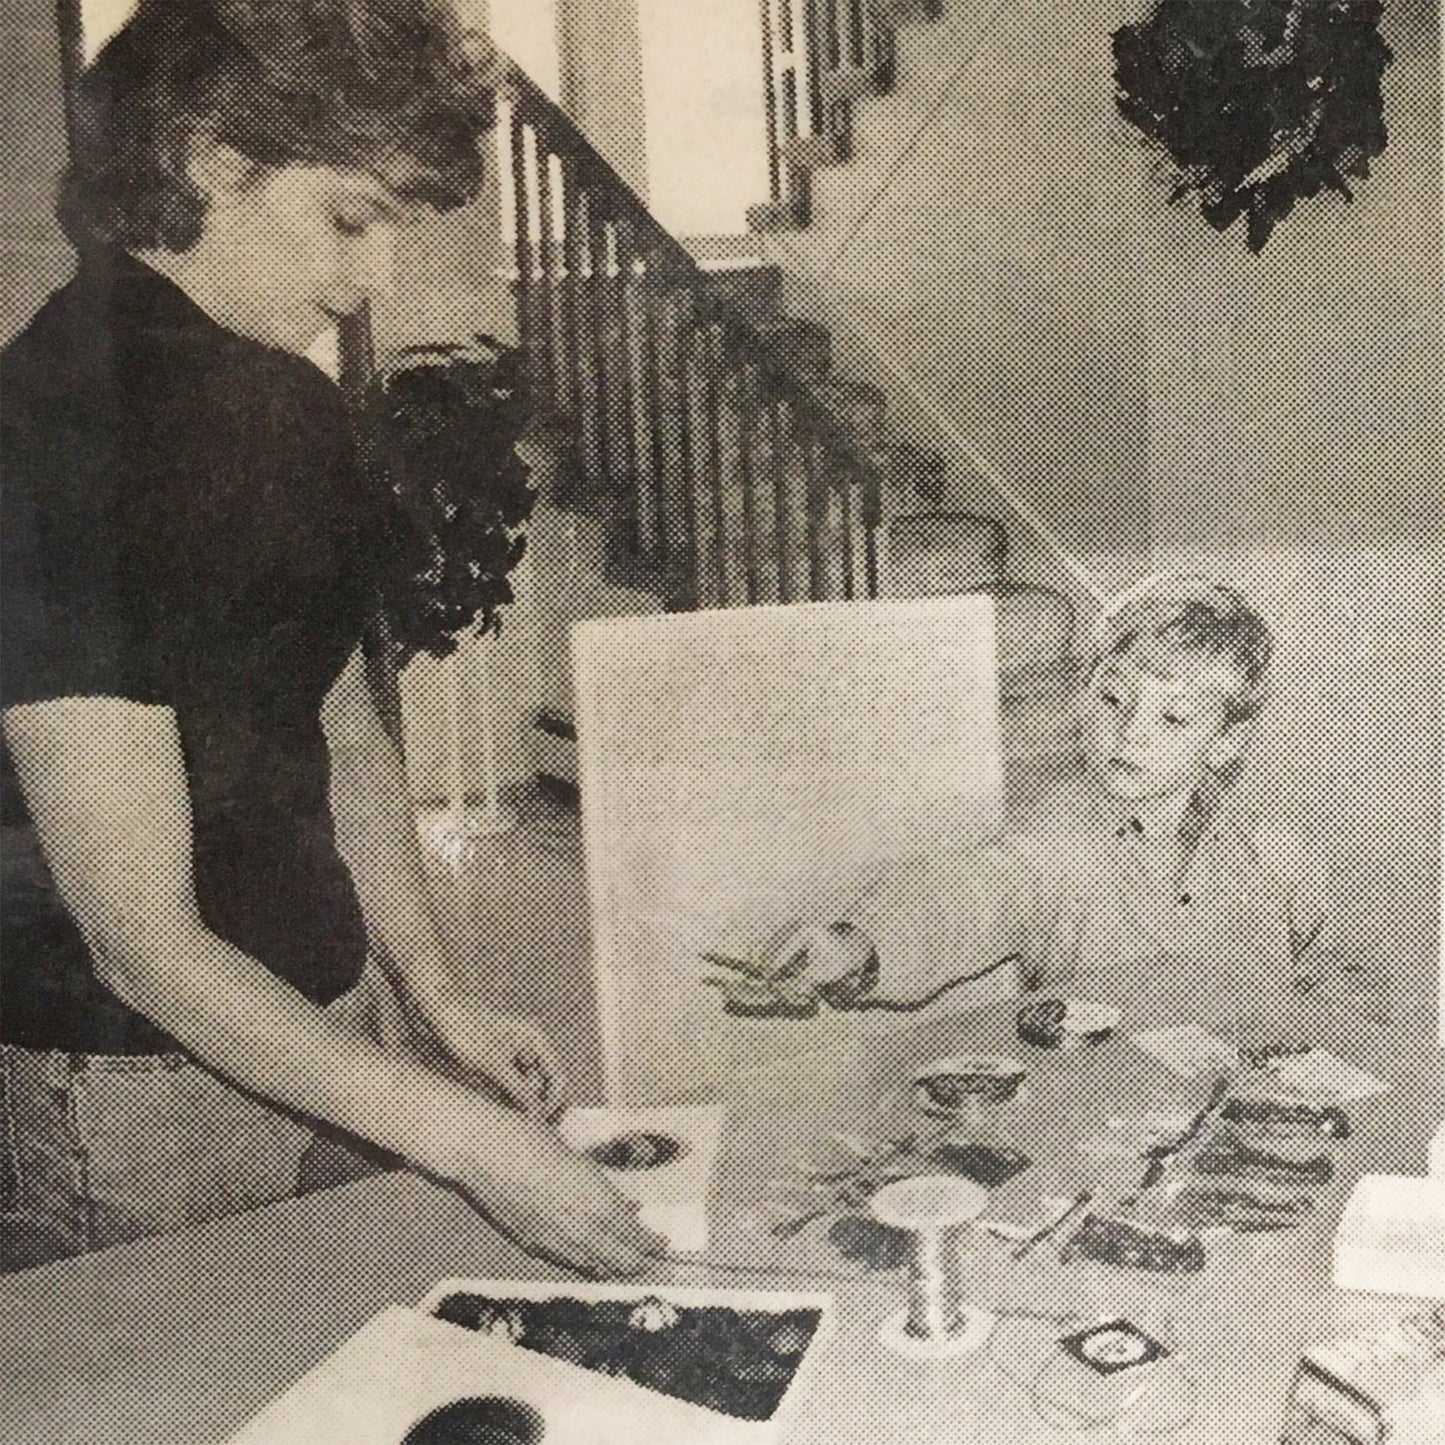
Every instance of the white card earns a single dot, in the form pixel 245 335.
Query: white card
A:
pixel 1188 1050
pixel 672 1191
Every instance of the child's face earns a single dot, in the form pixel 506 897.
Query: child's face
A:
pixel 287 252
pixel 1154 720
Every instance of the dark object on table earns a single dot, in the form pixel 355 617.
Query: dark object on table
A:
pixel 1121 1242
pixel 478 1420
pixel 1044 1024
pixel 986 1164
pixel 1256 104
pixel 866 1241
pixel 1236 1209
pixel 1109 1348
pixel 737 1362
pixel 638 1150
pixel 767 1004
pixel 952 1091
pixel 1233 1156
pixel 1272 1119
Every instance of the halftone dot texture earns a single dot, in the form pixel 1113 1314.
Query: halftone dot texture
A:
pixel 1151 393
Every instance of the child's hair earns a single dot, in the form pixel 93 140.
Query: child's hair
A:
pixel 1191 614
pixel 353 84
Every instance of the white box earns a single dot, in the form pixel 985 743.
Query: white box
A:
pixel 1391 1237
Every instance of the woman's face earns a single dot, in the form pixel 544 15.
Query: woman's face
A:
pixel 288 252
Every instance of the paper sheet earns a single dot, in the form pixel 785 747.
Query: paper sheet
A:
pixel 673 1195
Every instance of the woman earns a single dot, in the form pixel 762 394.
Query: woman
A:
pixel 191 556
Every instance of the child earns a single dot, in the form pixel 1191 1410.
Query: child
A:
pixel 1133 881
pixel 192 554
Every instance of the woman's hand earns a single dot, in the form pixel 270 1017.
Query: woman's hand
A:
pixel 556 1204
pixel 503 1053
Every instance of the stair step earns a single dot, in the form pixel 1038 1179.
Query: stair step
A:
pixel 782 215
pixel 754 289
pixel 852 82
pixel 801 347
pixel 811 151
pixel 857 403
pixel 1034 633
pixel 919 472
pixel 941 554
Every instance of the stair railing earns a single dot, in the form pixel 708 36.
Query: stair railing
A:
pixel 719 469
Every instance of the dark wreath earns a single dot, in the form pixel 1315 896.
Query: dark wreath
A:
pixel 1257 104
pixel 442 426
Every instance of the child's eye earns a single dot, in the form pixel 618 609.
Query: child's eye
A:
pixel 1110 699
pixel 349 227
pixel 1173 720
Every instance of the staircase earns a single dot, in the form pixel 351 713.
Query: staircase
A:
pixel 696 447
pixel 824 58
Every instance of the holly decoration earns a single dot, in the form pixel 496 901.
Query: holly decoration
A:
pixel 442 425
pixel 1256 104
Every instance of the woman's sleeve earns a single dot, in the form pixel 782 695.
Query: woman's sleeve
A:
pixel 69 626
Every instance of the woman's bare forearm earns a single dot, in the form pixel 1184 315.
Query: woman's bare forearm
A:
pixel 234 1015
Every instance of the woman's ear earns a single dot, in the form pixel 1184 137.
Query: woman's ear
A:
pixel 219 171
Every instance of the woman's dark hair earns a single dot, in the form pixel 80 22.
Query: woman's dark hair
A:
pixel 355 84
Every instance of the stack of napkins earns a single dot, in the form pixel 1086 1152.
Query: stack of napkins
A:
pixel 1391 1237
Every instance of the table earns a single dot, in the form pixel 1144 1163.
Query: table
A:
pixel 181 1339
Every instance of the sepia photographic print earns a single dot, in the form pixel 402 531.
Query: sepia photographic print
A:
pixel 721 722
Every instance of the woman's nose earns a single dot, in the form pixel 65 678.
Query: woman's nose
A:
pixel 371 266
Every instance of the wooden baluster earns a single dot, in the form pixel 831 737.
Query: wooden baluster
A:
pixel 872 521
pixel 633 459
pixel 573 310
pixel 780 435
pixel 770 96
pixel 655 408
pixel 522 225
pixel 816 500
pixel 845 497
pixel 681 334
pixel 712 407
pixel 600 285
pixel 546 368
pixel 747 414
pixel 813 62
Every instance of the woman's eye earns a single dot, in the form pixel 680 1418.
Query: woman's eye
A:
pixel 1110 699
pixel 1173 720
pixel 348 227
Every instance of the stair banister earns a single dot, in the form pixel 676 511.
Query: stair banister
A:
pixel 586 247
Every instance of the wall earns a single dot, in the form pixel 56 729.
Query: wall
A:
pixel 1159 396
pixel 702 82
pixel 601 75
pixel 33 253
